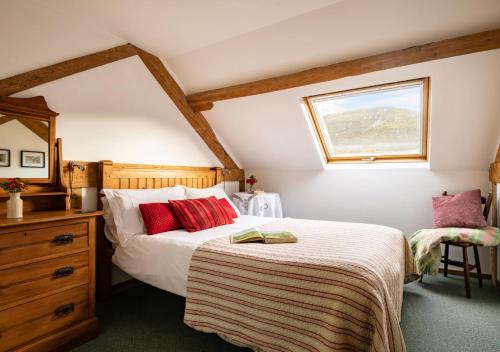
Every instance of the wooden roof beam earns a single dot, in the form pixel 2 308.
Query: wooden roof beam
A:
pixel 62 69
pixel 50 73
pixel 5 119
pixel 37 127
pixel 195 119
pixel 468 44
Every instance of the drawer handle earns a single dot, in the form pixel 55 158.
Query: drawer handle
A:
pixel 64 310
pixel 65 271
pixel 63 239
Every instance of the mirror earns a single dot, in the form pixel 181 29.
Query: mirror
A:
pixel 24 147
pixel 27 139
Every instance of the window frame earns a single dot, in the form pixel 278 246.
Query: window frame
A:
pixel 422 157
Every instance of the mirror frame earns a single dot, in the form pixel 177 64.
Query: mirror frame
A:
pixel 34 108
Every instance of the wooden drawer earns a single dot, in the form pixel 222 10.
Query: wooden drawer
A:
pixel 21 324
pixel 27 245
pixel 26 281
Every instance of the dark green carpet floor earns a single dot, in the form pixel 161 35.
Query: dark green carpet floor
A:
pixel 436 317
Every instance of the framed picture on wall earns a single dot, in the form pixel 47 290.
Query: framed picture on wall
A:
pixel 4 157
pixel 32 159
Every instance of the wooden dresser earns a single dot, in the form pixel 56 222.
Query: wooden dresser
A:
pixel 47 281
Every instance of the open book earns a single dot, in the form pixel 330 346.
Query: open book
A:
pixel 265 237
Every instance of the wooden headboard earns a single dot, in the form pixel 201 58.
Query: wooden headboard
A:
pixel 138 176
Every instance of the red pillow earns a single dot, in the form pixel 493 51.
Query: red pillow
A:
pixel 159 217
pixel 200 214
pixel 461 210
pixel 228 208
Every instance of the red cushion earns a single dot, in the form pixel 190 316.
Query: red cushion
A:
pixel 228 208
pixel 200 214
pixel 159 217
pixel 461 210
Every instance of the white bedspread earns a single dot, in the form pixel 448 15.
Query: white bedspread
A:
pixel 162 260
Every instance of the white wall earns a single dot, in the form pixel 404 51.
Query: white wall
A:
pixel 272 137
pixel 119 112
pixel 16 137
pixel 270 131
pixel 399 198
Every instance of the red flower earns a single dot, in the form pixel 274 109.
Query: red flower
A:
pixel 14 185
pixel 251 180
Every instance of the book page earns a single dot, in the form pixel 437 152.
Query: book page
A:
pixel 248 236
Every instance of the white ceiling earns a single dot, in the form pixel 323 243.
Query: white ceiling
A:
pixel 271 131
pixel 213 43
pixel 208 44
pixel 173 27
pixel 342 31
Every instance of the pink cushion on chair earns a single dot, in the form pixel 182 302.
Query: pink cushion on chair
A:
pixel 461 210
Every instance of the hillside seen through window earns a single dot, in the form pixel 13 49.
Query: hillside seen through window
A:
pixel 386 122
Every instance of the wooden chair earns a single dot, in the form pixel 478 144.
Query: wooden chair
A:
pixel 464 264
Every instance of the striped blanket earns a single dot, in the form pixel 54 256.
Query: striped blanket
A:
pixel 338 289
pixel 426 244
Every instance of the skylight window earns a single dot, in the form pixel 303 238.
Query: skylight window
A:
pixel 382 123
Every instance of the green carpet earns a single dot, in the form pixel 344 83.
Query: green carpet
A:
pixel 436 317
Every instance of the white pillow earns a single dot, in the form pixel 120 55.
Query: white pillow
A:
pixel 124 204
pixel 216 191
pixel 109 222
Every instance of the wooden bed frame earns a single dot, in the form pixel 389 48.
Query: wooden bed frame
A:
pixel 138 176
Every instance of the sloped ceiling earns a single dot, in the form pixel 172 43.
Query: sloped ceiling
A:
pixel 272 131
pixel 174 27
pixel 208 44
pixel 50 31
pixel 342 31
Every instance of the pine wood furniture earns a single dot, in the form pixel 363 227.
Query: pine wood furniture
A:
pixel 47 281
pixel 465 246
pixel 138 176
pixel 33 112
pixel 47 258
pixel 48 193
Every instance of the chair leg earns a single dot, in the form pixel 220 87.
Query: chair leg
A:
pixel 446 254
pixel 466 272
pixel 478 266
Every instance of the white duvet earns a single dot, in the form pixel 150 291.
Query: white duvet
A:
pixel 162 260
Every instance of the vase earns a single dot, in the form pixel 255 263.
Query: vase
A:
pixel 251 189
pixel 15 206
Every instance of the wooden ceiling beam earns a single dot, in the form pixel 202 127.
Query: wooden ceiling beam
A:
pixel 37 127
pixel 202 106
pixel 5 119
pixel 421 53
pixel 63 69
pixel 60 70
pixel 195 119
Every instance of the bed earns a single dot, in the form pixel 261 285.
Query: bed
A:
pixel 339 288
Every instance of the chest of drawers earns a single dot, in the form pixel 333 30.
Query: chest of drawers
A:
pixel 47 281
